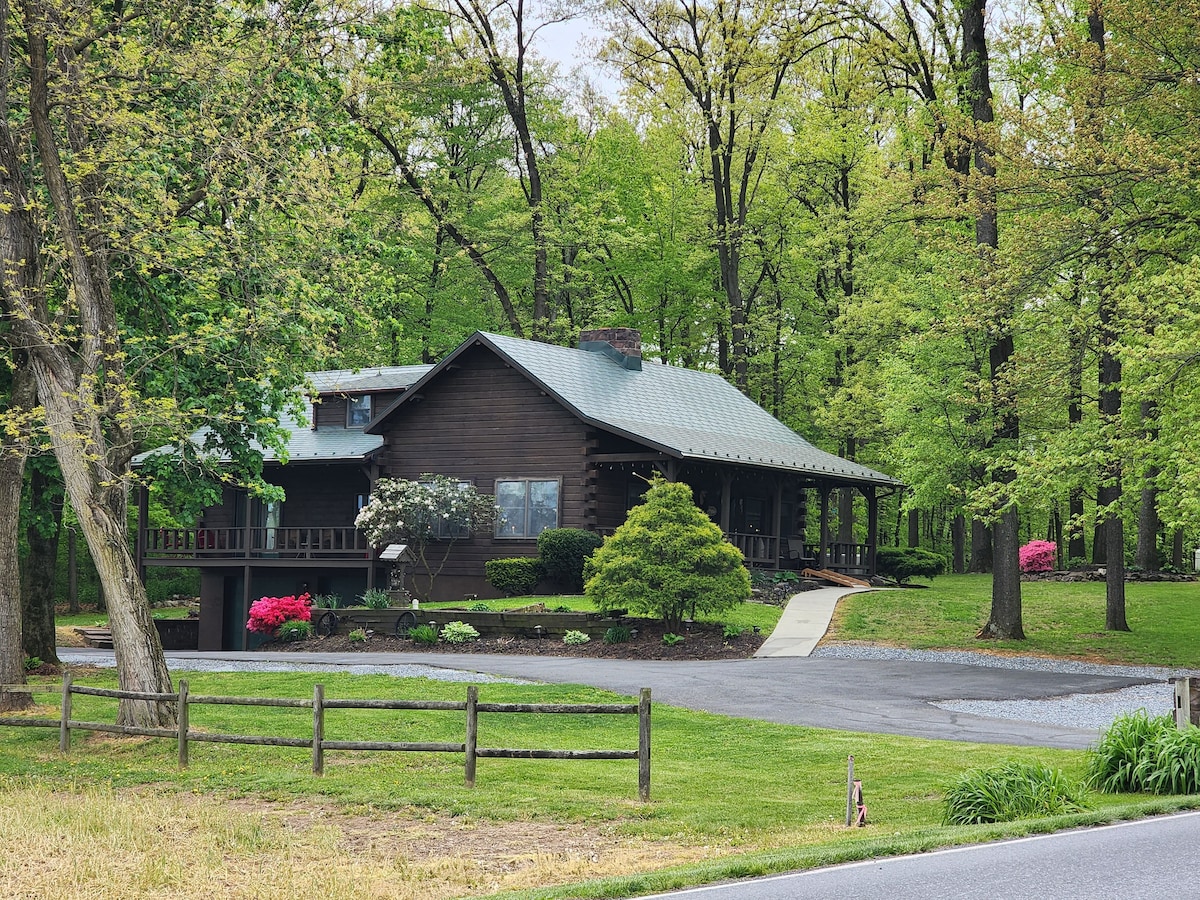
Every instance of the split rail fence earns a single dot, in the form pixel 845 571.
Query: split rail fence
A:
pixel 319 704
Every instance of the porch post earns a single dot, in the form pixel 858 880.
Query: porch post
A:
pixel 823 550
pixel 777 525
pixel 726 501
pixel 872 527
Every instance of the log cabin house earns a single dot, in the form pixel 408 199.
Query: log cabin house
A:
pixel 563 437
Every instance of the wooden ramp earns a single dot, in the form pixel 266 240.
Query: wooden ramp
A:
pixel 100 638
pixel 835 578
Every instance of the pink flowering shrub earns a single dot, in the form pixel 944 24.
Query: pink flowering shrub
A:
pixel 1037 556
pixel 268 613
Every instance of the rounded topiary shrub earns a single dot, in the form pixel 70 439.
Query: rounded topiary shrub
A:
pixel 903 563
pixel 563 552
pixel 668 560
pixel 514 577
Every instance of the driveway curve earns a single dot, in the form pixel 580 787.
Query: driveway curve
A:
pixel 882 696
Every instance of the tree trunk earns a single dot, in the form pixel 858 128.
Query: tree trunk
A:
pixel 1146 555
pixel 41 565
pixel 12 476
pixel 958 540
pixel 1177 549
pixel 981 548
pixel 98 498
pixel 914 528
pixel 1004 623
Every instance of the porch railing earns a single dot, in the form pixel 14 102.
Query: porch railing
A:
pixel 769 551
pixel 317 542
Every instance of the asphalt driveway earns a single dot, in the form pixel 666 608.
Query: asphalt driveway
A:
pixel 883 696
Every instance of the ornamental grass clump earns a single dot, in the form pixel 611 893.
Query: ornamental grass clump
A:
pixel 1143 754
pixel 294 630
pixel 268 613
pixel 1012 790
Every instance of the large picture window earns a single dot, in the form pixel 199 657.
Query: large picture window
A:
pixel 528 507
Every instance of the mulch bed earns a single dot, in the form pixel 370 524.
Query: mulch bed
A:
pixel 699 643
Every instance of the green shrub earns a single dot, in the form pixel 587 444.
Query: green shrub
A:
pixel 32 662
pixel 358 636
pixel 732 632
pixel 668 559
pixel 294 630
pixel 903 563
pixel 574 638
pixel 479 607
pixel 1142 754
pixel 458 633
pixel 423 634
pixel 563 552
pixel 374 598
pixel 1013 790
pixel 514 577
pixel 670 640
pixel 617 634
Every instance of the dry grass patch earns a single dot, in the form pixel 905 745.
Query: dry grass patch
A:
pixel 97 843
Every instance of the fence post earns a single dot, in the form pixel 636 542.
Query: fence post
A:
pixel 183 723
pixel 644 745
pixel 472 733
pixel 64 728
pixel 849 791
pixel 318 729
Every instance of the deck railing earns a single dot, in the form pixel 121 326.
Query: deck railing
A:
pixel 316 542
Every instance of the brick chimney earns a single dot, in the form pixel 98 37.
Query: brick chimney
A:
pixel 622 345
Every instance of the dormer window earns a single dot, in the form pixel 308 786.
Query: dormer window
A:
pixel 358 411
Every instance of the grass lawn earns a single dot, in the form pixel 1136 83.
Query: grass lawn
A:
pixel 1064 620
pixel 116 818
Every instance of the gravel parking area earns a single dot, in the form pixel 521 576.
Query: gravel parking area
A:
pixel 1070 711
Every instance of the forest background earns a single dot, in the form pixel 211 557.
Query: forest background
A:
pixel 954 243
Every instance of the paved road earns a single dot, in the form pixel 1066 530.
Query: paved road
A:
pixel 890 697
pixel 1150 858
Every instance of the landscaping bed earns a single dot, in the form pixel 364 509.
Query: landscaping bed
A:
pixel 701 642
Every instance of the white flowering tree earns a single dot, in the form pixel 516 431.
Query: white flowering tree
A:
pixel 429 515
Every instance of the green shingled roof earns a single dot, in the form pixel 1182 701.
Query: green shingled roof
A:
pixel 684 413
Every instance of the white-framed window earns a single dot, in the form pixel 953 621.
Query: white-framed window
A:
pixel 528 506
pixel 358 411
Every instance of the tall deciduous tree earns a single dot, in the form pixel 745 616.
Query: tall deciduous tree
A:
pixel 728 60
pixel 137 153
pixel 1004 620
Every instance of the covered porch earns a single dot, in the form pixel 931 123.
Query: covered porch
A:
pixel 780 520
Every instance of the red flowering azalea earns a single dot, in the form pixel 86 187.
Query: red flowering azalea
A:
pixel 268 613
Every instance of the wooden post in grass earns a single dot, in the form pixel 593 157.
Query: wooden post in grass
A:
pixel 850 791
pixel 64 729
pixel 472 733
pixel 1187 702
pixel 183 723
pixel 318 755
pixel 644 745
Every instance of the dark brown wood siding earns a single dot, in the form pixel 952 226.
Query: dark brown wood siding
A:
pixel 482 421
pixel 330 412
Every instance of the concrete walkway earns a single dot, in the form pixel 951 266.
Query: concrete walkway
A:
pixel 804 622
